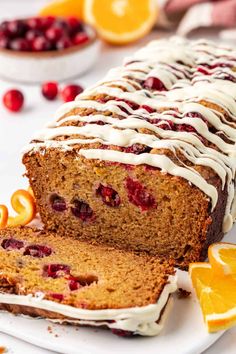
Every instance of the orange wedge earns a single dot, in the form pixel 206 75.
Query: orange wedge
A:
pixel 3 216
pixel 24 205
pixel 121 21
pixel 222 257
pixel 63 8
pixel 216 294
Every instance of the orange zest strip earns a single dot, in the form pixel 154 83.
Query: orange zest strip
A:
pixel 24 205
pixel 30 191
pixel 3 216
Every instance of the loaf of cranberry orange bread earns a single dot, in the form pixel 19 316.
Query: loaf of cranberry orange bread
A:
pixel 67 280
pixel 145 159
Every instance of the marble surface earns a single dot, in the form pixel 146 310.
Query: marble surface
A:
pixel 16 130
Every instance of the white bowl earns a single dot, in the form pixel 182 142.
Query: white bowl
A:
pixel 56 65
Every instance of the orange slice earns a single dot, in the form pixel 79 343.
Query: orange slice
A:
pixel 63 8
pixel 3 216
pixel 222 257
pixel 216 294
pixel 24 205
pixel 121 21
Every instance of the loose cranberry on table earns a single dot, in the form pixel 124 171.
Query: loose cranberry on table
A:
pixel 70 92
pixel 50 90
pixel 13 100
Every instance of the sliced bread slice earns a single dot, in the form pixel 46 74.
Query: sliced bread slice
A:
pixel 66 280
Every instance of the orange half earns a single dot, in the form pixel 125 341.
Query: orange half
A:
pixel 121 21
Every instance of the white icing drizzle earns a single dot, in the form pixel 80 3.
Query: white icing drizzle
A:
pixel 140 320
pixel 190 72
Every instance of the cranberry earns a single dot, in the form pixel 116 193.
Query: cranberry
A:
pixel 57 296
pixel 80 38
pixel 16 28
pixel 32 34
pixel 70 92
pixel 54 33
pixel 98 122
pixel 169 125
pixel 203 71
pixel 20 44
pixel 63 24
pixel 40 44
pixel 4 28
pixel 37 251
pixel 102 99
pixel 74 24
pixel 194 115
pixel 47 21
pixel 50 90
pixel 3 33
pixel 154 83
pixel 121 332
pixel 137 149
pixel 197 115
pixel 74 283
pixel 55 270
pixel 166 124
pixel 185 128
pixel 133 105
pixel 57 203
pixel 12 244
pixel 81 210
pixel 13 100
pixel 228 77
pixel 35 23
pixel 109 196
pixel 4 42
pixel 138 195
pixel 148 108
pixel 63 43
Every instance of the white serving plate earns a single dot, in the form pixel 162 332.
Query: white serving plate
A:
pixel 31 67
pixel 184 332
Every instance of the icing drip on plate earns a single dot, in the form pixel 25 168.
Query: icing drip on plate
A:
pixel 172 94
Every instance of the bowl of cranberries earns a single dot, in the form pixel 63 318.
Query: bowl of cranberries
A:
pixel 46 48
